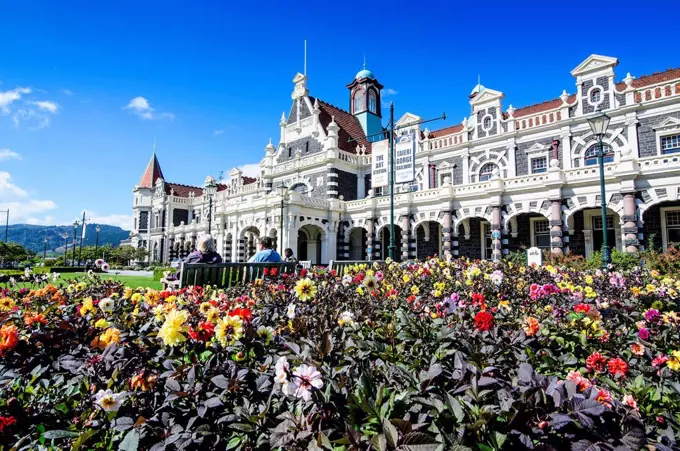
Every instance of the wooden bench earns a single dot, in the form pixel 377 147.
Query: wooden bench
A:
pixel 340 265
pixel 224 275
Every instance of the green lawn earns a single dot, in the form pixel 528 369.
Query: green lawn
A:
pixel 131 281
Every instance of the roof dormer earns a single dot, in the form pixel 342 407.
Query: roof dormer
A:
pixel 595 83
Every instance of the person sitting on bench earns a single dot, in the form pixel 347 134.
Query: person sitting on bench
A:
pixel 265 254
pixel 205 253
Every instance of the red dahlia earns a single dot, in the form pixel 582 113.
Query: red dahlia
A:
pixel 483 321
pixel 596 362
pixel 617 367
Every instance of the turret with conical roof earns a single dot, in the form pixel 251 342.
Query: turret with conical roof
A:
pixel 152 173
pixel 365 101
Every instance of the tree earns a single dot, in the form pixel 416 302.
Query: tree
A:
pixel 14 252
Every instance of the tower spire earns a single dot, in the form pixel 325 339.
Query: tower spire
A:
pixel 154 145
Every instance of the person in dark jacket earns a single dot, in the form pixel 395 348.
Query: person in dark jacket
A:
pixel 205 253
pixel 288 255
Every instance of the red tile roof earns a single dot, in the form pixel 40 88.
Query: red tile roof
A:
pixel 152 173
pixel 183 190
pixel 350 128
pixel 647 80
pixel 246 180
pixel 446 131
pixel 545 106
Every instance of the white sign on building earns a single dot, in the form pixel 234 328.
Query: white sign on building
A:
pixel 405 158
pixel 380 163
pixel 534 256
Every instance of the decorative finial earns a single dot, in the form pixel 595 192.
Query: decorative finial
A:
pixel 154 145
pixel 316 103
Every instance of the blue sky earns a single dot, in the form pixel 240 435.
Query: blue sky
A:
pixel 211 79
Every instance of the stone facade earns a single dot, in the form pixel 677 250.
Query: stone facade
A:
pixel 324 157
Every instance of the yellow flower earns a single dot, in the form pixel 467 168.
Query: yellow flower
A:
pixel 228 330
pixel 81 286
pixel 305 289
pixel 127 294
pixel 406 278
pixel 505 305
pixel 415 290
pixel 635 291
pixel 370 282
pixel 360 290
pixel 370 272
pixel 173 327
pixel 87 306
pixel 437 293
pixel 213 315
pixel 7 304
pixel 650 287
pixel 674 361
pixel 671 318
pixel 171 299
pixel 589 279
pixel 102 324
pixel 110 335
pixel 137 297
pixel 205 307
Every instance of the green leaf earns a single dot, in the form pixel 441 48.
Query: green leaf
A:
pixel 55 434
pixel 82 439
pixel 390 433
pixel 456 408
pixel 499 439
pixel 379 441
pixel 233 443
pixel 130 442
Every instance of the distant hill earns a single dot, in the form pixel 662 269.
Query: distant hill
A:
pixel 32 236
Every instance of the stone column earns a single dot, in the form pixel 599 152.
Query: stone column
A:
pixel 446 234
pixel 182 244
pixel 369 239
pixel 171 247
pixel 361 184
pixel 556 244
pixel 496 233
pixel 405 237
pixel 332 183
pixel 630 230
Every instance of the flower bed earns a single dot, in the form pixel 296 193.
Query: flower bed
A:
pixel 435 356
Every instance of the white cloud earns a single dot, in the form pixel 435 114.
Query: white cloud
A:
pixel 389 92
pixel 122 221
pixel 7 154
pixel 34 118
pixel 250 170
pixel 142 108
pixel 218 132
pixel 22 207
pixel 46 105
pixel 7 98
pixel 67 92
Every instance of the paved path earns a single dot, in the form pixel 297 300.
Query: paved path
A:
pixel 125 272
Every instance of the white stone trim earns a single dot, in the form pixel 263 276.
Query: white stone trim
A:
pixel 589 96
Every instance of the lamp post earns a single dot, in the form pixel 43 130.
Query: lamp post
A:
pixel 65 237
pixel 210 190
pixel 45 251
pixel 82 238
pixel 75 230
pixel 96 242
pixel 392 128
pixel 598 124
pixel 282 190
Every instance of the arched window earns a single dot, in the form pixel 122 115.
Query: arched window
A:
pixel 372 104
pixel 486 171
pixel 359 101
pixel 590 158
pixel 595 96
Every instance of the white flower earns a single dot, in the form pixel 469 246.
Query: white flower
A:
pixel 291 311
pixel 282 369
pixel 99 262
pixel 105 267
pixel 108 400
pixel 27 272
pixel 497 277
pixel 106 305
pixel 346 280
pixel 55 276
pixel 90 273
pixel 266 333
pixel 307 378
pixel 346 319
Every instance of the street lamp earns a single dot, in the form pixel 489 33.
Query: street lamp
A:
pixel 598 124
pixel 282 190
pixel 45 251
pixel 75 230
pixel 210 190
pixel 65 237
pixel 391 128
pixel 96 243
